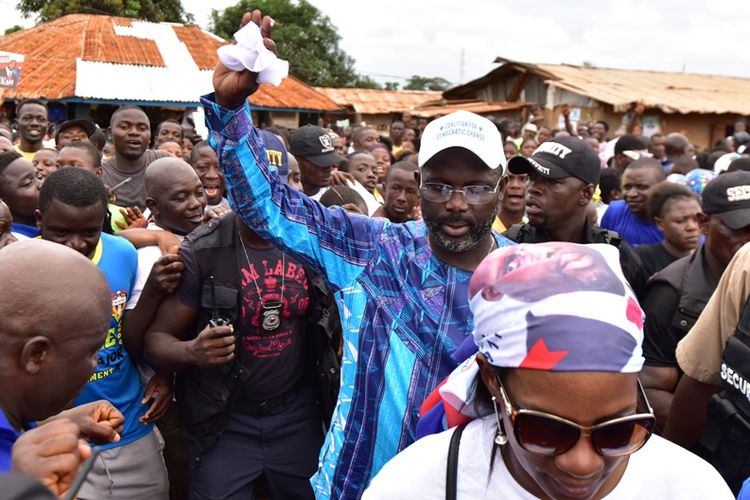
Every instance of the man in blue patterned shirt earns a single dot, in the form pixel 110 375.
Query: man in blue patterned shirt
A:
pixel 402 289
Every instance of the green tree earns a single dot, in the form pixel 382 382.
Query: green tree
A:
pixel 150 10
pixel 391 85
pixel 13 29
pixel 365 82
pixel 305 37
pixel 417 82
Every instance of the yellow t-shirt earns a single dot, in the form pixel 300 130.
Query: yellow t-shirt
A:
pixel 499 227
pixel 25 154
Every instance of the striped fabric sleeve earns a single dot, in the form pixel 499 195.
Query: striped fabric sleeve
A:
pixel 329 240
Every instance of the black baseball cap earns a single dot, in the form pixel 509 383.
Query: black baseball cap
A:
pixel 728 197
pixel 86 125
pixel 560 157
pixel 314 145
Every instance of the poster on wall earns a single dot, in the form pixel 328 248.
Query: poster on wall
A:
pixel 650 125
pixel 10 69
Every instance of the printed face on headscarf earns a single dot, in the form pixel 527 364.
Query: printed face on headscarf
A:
pixel 554 306
pixel 555 268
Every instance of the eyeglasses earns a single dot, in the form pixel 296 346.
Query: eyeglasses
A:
pixel 474 195
pixel 547 434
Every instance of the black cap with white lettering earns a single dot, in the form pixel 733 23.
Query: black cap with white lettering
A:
pixel 728 197
pixel 560 157
pixel 314 145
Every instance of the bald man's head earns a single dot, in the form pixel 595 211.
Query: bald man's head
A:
pixel 176 195
pixel 162 172
pixel 55 311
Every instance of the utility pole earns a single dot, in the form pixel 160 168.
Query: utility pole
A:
pixel 462 66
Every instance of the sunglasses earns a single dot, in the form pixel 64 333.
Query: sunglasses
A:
pixel 547 434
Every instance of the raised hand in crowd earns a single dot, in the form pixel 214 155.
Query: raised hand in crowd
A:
pixel 233 87
pixel 134 218
pixel 565 112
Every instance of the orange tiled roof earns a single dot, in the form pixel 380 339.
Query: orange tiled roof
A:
pixel 52 49
pixel 100 43
pixel 275 97
pixel 201 47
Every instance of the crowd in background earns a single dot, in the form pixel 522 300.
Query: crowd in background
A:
pixel 280 312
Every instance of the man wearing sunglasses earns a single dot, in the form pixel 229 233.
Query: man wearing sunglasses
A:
pixel 402 289
pixel 552 399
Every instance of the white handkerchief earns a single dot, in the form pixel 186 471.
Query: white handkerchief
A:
pixel 250 53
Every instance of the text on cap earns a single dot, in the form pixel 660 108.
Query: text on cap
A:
pixel 553 148
pixel 738 193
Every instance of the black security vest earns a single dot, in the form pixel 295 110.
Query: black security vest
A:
pixel 207 396
pixel 676 275
pixel 726 438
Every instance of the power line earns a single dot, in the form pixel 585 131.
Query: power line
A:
pixel 405 78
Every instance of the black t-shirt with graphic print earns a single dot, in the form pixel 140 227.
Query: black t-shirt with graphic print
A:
pixel 274 355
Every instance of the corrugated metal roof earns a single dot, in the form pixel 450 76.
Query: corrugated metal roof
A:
pixel 118 59
pixel 670 92
pixel 374 102
pixel 105 81
pixel 201 44
pixel 478 107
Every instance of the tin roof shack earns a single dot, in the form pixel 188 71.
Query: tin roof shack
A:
pixel 494 110
pixel 704 107
pixel 378 108
pixel 87 65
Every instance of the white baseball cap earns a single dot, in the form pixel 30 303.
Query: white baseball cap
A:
pixel 466 130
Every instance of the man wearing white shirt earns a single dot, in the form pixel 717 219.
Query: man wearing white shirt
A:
pixel 177 199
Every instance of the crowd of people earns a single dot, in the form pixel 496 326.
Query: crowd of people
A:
pixel 468 307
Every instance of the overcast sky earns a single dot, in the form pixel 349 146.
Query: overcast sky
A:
pixel 394 39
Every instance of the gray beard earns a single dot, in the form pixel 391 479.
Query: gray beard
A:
pixel 476 233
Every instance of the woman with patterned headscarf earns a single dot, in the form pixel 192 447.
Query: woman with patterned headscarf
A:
pixel 552 398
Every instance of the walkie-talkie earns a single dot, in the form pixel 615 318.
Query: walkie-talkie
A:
pixel 215 320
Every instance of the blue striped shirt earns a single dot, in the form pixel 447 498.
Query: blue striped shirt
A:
pixel 403 311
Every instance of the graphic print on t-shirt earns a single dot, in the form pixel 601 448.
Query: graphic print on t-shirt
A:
pixel 111 354
pixel 262 335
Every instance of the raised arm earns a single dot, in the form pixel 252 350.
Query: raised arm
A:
pixel 330 241
pixel 565 112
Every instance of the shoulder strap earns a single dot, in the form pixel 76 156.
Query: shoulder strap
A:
pixel 743 325
pixel 451 472
pixel 607 236
pixel 513 232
